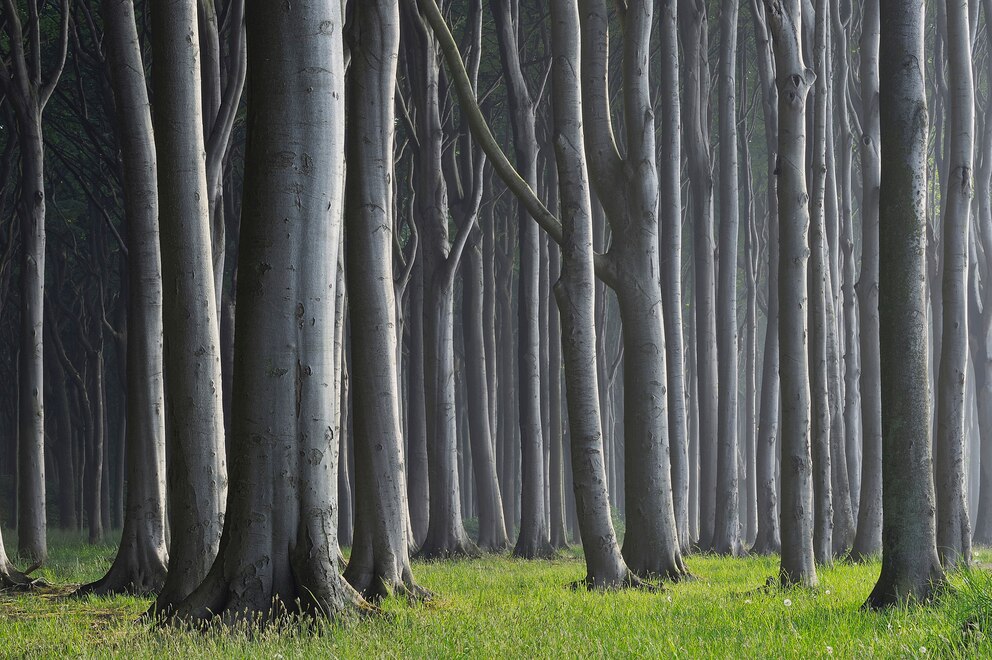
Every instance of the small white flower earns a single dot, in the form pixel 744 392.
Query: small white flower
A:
pixel 828 592
pixel 747 601
pixel 830 650
pixel 787 602
pixel 923 650
pixel 669 599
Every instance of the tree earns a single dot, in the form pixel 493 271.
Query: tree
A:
pixel 670 249
pixel 628 187
pixel 26 89
pixel 605 566
pixel 197 470
pixel 140 566
pixel 768 540
pixel 279 550
pixel 868 537
pixel 910 566
pixel 380 562
pixel 794 82
pixel 439 259
pixel 726 533
pixel 953 523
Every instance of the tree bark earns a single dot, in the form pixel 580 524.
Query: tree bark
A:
pixel 868 537
pixel 953 523
pixel 197 471
pixel 380 563
pixel 279 551
pixel 794 82
pixel 910 566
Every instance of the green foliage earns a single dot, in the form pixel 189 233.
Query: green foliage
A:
pixel 498 607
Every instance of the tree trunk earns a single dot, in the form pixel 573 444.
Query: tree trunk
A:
pixel 818 292
pixel 279 551
pixel 670 234
pixel 953 524
pixel 768 539
pixel 868 537
pixel 794 81
pixel 197 471
pixel 910 566
pixel 140 565
pixel 380 563
pixel 575 292
pixel 693 27
pixel 727 534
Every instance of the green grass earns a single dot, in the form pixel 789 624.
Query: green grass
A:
pixel 499 607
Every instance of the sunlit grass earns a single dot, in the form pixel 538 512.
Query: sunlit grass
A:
pixel 497 606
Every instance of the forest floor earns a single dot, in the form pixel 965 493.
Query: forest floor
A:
pixel 501 607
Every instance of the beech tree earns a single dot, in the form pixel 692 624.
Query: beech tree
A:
pixel 197 470
pixel 279 548
pixel 140 566
pixel 28 88
pixel 910 566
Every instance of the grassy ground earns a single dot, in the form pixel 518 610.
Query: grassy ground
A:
pixel 498 606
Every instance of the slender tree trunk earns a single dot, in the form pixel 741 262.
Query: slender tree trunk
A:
pixel 868 537
pixel 575 292
pixel 768 540
pixel 380 563
pixel 696 83
pixel 670 220
pixel 910 565
pixel 953 523
pixel 197 471
pixel 140 565
pixel 727 534
pixel 818 317
pixel 794 81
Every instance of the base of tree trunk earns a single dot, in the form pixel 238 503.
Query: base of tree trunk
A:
pixel 448 549
pixel 891 591
pixel 533 549
pixel 12 579
pixel 765 546
pixel 661 566
pixel 134 572
pixel 375 585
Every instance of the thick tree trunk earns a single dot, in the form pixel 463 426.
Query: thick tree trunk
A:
pixel 140 566
pixel 794 81
pixel 197 471
pixel 279 551
pixel 910 565
pixel 953 523
pixel 556 478
pixel 868 537
pixel 380 563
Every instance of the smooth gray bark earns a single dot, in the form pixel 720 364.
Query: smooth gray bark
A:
pixel 140 565
pixel 670 236
pixel 794 82
pixel 379 564
pixel 868 537
pixel 197 471
pixel 953 521
pixel 911 569
pixel 727 529
pixel 768 539
pixel 279 551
